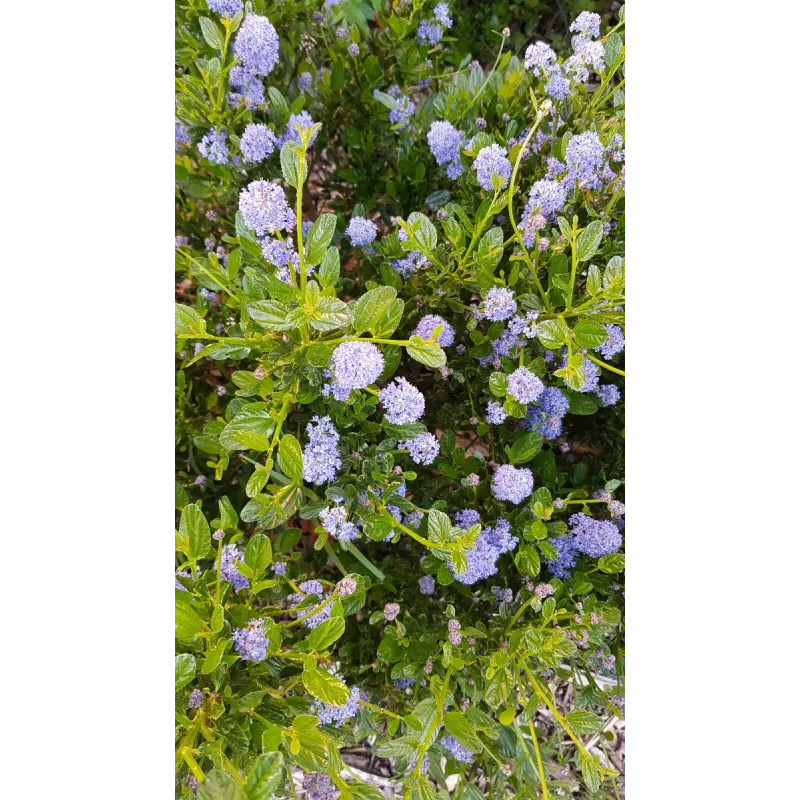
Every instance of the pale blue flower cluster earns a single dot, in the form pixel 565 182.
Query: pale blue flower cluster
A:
pixel 499 304
pixel 280 253
pixel 226 8
pixel 456 750
pixel 361 231
pixel 442 14
pixel 214 147
pixel 466 518
pixel 291 132
pixel 428 324
pixel 334 521
pixel 231 556
pixel 491 164
pixel 181 135
pixel 338 715
pixel 404 683
pixel 614 343
pixel 546 417
pixel 422 449
pixel 353 49
pixel 540 58
pixel 489 546
pixel 587 23
pixel 251 641
pixel 511 483
pixel 264 208
pixel 402 401
pixel 311 587
pixel 257 143
pixel 444 140
pixel 304 81
pixel 524 386
pixel 410 263
pixel 354 365
pixel 427 584
pixel 256 45
pixel 321 457
pixel 195 699
pixel 317 784
pixel 609 394
pixel 585 157
pixel 402 112
pixel 592 537
pixel 249 88
pixel 429 32
pixel 495 415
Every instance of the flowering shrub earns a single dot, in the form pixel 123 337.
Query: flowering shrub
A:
pixel 399 338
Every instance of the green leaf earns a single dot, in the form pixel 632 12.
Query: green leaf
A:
pixel 589 240
pixel 188 323
pixel 213 657
pixel 194 528
pixel 498 688
pixel 265 778
pixel 185 669
pixel 290 163
pixel 552 333
pixel 217 618
pixel 319 237
pixel 371 306
pixel 387 323
pixel 457 724
pixel 612 563
pixel 527 560
pixel 247 432
pixel 258 554
pixel 326 633
pixel 525 448
pixel 290 458
pixel 187 621
pixel 212 34
pixel 589 334
pixel 271 314
pixel 589 770
pixel 498 384
pixel 329 270
pixel 581 404
pixel 424 232
pixel 613 50
pixel 490 250
pixel 584 722
pixel 219 785
pixel 427 353
pixel 324 686
pixel 594 281
pixel 329 313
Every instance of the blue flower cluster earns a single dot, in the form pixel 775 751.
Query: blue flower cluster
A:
pixel 334 521
pixel 338 715
pixel 304 81
pixel 404 683
pixel 291 132
pixel 402 401
pixel 214 147
pixel 614 343
pixel 264 208
pixel 248 86
pixel 428 324
pixel 427 584
pixel 490 164
pixel 499 304
pixel 592 537
pixel 181 135
pixel 321 457
pixel 423 449
pixel 511 483
pixel 489 546
pixel 402 112
pixel 361 231
pixel 256 45
pixel 251 641
pixel 524 386
pixel 444 140
pixel 226 8
pixel 231 555
pixel 354 365
pixel 495 414
pixel 456 750
pixel 546 417
pixel 257 143
pixel 317 784
pixel 311 587
pixel 429 32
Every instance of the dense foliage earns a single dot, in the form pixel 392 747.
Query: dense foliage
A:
pixel 399 337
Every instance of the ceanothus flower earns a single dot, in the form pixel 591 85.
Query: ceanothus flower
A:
pixel 591 53
pixel 495 415
pixel 361 231
pixel 428 324
pixel 318 784
pixel 402 401
pixel 404 683
pixel 231 556
pixel 539 57
pixel 181 134
pixel 195 699
pixel 547 197
pixel 226 8
pixel 594 537
pixel 249 85
pixel 442 14
pixel 524 386
pixel 279 568
pixel 354 365
pixel 565 556
pixel 429 32
pixel 585 158
pixel 251 641
pixel 614 343
pixel 321 457
pixel 422 449
pixel 264 208
pixel 402 112
pixel 338 715
pixel 310 587
pixel 353 49
pixel 466 518
pixel 558 86
pixel 427 584
pixel 214 147
pixel 409 264
pixel 454 169
pixel 456 750
pixel 304 81
pixel 291 132
pixel 444 140
pixel 554 402
pixel 257 143
pixel 511 483
pixel 609 394
pixel 256 45
pixel 592 373
pixel 491 163
pixel 184 574
pixel 334 521
pixel 499 304
pixel 587 23
pixel 280 253
pixel 499 536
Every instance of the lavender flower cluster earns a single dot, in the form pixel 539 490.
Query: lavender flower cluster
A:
pixel 311 587
pixel 592 537
pixel 321 458
pixel 489 546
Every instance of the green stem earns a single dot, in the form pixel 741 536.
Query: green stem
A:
pixel 333 557
pixel 605 366
pixel 187 756
pixel 574 271
pixel 313 611
pixel 539 765
pixel 381 710
pixel 351 548
pixel 218 104
pixel 486 81
pixel 519 612
pixel 434 723
pixel 413 534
